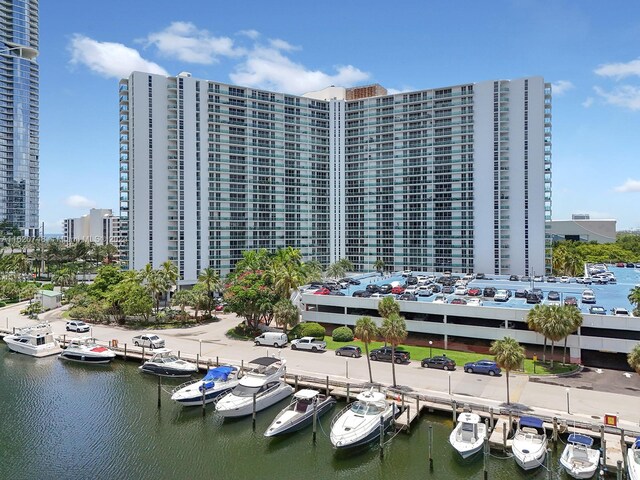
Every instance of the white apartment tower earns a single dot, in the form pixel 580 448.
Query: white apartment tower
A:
pixel 455 178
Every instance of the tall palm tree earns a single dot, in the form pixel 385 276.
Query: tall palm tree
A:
pixel 388 306
pixel 394 332
pixel 336 270
pixel 554 327
pixel 170 275
pixel 509 355
pixel 210 280
pixel 366 330
pixel 634 299
pixel 312 271
pixel 111 252
pixel 634 358
pixel 286 314
pixel 379 265
pixel 285 277
pixel 346 264
pixel 535 319
pixel 573 321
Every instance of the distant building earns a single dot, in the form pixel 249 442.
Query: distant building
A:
pixel 100 226
pixel 584 229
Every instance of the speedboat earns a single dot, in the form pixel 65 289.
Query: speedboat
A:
pixel 299 413
pixel 633 460
pixel 530 443
pixel 213 385
pixel 359 422
pixel 578 458
pixel 166 364
pixel 259 388
pixel 469 435
pixel 37 341
pixel 86 350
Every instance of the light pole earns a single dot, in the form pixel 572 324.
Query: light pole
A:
pixel 430 347
pixel 449 373
pixel 568 409
pixel 200 342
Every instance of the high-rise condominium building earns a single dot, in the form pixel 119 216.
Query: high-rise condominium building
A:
pixel 455 178
pixel 100 226
pixel 19 143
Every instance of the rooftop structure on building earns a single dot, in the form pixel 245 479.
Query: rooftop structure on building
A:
pixel 582 228
pixel 100 226
pixel 19 122
pixel 453 178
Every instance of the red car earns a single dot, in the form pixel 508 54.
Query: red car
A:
pixel 397 290
pixel 322 291
pixel 474 292
pixel 458 301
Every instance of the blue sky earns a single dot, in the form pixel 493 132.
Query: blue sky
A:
pixel 589 50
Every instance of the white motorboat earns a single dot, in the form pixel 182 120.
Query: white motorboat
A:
pixel 359 423
pixel 214 384
pixel 469 434
pixel 37 341
pixel 86 350
pixel 299 413
pixel 264 383
pixel 530 443
pixel 578 458
pixel 633 460
pixel 166 364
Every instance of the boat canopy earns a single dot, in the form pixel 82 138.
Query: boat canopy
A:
pixel 306 394
pixel 581 439
pixel 533 422
pixel 265 361
pixel 218 373
pixel 636 444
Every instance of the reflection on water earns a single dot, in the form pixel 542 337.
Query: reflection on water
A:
pixel 66 420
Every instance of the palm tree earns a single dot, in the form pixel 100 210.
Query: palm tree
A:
pixel 394 332
pixel 110 252
pixel 378 265
pixel 286 314
pixel 554 327
pixel 210 279
pixel 183 299
pixel 336 270
pixel 366 330
pixel 346 264
pixel 634 358
pixel 535 319
pixel 285 277
pixel 634 299
pixel 312 271
pixel 170 275
pixel 388 306
pixel 509 355
pixel 573 321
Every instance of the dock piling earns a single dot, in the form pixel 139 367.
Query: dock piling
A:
pixel 315 420
pixel 510 426
pixel 253 415
pixel 555 431
pixel 241 367
pixel 327 387
pixel 178 353
pixel 548 464
pixel 454 411
pixel 295 379
pixel 159 390
pixel 142 354
pixel 504 439
pixel 491 415
pixel 217 361
pixel 348 392
pixel 485 448
pixel 204 410
pixel 604 451
pixel 619 470
pixel 408 418
pixel 346 367
pixel 198 360
pixel 381 436
pixel 430 447
pixel 125 352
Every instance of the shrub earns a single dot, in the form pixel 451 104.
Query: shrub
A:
pixel 308 329
pixel 2 304
pixel 243 332
pixel 343 334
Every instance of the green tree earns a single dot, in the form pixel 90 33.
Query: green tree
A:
pixel 107 277
pixel 183 299
pixel 210 280
pixel 336 270
pixel 536 317
pixel 634 358
pixel 509 355
pixel 249 295
pixel 394 332
pixel 366 330
pixel 286 314
pixel 388 306
pixel 379 265
pixel 634 299
pixel 169 273
pixel 573 321
pixel 554 326
pixel 312 271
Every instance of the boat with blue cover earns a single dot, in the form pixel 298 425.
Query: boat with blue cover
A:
pixel 578 458
pixel 633 460
pixel 529 443
pixel 214 384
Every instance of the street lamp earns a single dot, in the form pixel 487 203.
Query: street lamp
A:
pixel 449 373
pixel 568 409
pixel 430 347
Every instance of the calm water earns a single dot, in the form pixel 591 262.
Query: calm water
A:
pixel 63 420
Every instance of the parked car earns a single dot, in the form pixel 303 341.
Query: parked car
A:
pixel 597 310
pixel 584 280
pixel 273 339
pixel 349 351
pixel 525 279
pixel 322 291
pixel 513 278
pixel 77 326
pixel 361 293
pixel 353 281
pixel 538 278
pixel 565 279
pixel 480 276
pixel 408 297
pixel 474 292
pixel 441 361
pixel 460 290
pixel 308 343
pixel 458 301
pixel 488 367
pixel 620 312
pixel 501 295
pixel 489 292
pixel 552 279
pixel 521 293
pixel 571 301
pixel 411 280
pixel 338 293
pixel 441 298
pixel 385 288
pixel 538 292
pixel 447 289
pixel 372 288
pixel 397 290
pixel 588 296
pixel 533 298
pixel 553 296
pixel 384 354
pixel 620 264
pixel 424 292
pixel 148 341
pixel 435 288
pixel 406 273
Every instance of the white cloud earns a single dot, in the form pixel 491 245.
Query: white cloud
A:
pixel 588 102
pixel 629 186
pixel 268 68
pixel 252 34
pixel 561 87
pixel 111 60
pixel 619 70
pixel 182 40
pixel 626 96
pixel 280 44
pixel 394 91
pixel 78 201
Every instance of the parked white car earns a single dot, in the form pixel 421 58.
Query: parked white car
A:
pixel 460 290
pixel 620 312
pixel 308 343
pixel 501 296
pixel 148 341
pixel 77 326
pixel 588 296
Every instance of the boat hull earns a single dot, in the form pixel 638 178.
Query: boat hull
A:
pixel 231 406
pixel 633 465
pixel 529 461
pixel 366 433
pixel 579 469
pixel 195 400
pixel 33 351
pixel 301 421
pixel 83 358
pixel 529 454
pixel 166 371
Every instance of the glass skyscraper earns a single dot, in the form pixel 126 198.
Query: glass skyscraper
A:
pixel 19 106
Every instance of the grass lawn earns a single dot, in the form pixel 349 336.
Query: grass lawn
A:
pixel 418 353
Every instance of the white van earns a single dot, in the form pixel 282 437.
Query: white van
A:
pixel 273 339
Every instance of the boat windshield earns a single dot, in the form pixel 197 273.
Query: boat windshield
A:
pixel 361 408
pixel 245 391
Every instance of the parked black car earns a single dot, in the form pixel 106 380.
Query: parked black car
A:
pixel 553 296
pixel 349 351
pixel 385 288
pixel 514 278
pixel 373 288
pixel 521 293
pixel 442 361
pixel 412 280
pixel 489 292
pixel 408 297
pixel 435 288
pixel 353 281
pixel 533 298
pixel 538 292
pixel 480 276
pixel 384 354
pixel 448 289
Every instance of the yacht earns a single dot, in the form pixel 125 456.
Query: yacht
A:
pixel 468 435
pixel 578 458
pixel 633 460
pixel 166 364
pixel 359 422
pixel 264 383
pixel 213 385
pixel 37 341
pixel 86 350
pixel 530 443
pixel 299 413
